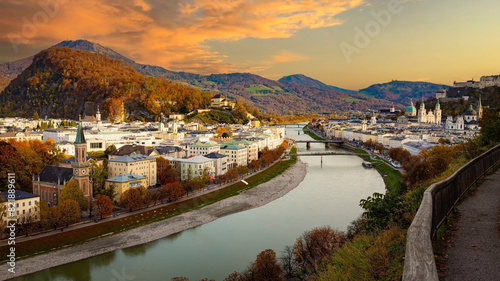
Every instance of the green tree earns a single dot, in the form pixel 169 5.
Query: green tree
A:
pixel 71 190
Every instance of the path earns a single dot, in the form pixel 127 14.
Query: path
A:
pixel 475 252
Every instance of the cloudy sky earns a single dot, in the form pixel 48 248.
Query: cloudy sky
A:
pixel 346 43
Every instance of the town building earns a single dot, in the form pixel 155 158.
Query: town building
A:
pixel 220 101
pixel 411 110
pixel 138 164
pixel 220 162
pixel 194 167
pixel 203 148
pixel 25 205
pixel 237 155
pixel 125 182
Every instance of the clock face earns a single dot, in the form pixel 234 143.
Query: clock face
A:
pixel 83 172
pixel 76 172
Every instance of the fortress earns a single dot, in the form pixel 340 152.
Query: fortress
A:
pixel 484 81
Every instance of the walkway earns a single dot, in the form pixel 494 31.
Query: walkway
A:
pixel 474 254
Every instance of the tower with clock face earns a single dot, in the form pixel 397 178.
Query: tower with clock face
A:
pixel 81 167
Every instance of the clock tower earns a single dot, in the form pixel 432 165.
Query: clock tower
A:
pixel 81 167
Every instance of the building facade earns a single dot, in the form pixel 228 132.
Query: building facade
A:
pixel 125 182
pixel 137 164
pixel 25 206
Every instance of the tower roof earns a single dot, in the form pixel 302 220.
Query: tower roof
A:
pixel 80 137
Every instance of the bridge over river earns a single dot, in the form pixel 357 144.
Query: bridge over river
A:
pixel 326 142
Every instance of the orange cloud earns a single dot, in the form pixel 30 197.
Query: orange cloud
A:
pixel 173 34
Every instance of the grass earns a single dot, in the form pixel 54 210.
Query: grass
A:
pixel 311 134
pixel 351 99
pixel 368 257
pixel 257 88
pixel 209 82
pixel 71 237
pixel 392 177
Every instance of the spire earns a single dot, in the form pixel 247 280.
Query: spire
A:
pixel 80 137
pixel 437 103
pixel 479 105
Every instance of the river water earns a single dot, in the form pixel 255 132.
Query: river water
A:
pixel 329 195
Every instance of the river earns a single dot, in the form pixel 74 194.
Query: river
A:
pixel 328 195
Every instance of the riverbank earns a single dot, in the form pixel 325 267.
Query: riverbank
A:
pixel 255 197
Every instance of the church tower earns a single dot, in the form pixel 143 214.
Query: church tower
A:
pixel 479 109
pixel 422 114
pixel 98 117
pixel 438 113
pixel 81 167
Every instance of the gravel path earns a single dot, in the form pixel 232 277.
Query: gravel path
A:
pixel 252 198
pixel 475 252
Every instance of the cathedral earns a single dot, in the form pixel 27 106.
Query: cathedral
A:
pixel 429 117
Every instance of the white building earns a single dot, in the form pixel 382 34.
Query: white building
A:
pixel 203 148
pixel 194 167
pixel 237 154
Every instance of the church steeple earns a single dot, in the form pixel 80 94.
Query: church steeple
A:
pixel 81 167
pixel 479 109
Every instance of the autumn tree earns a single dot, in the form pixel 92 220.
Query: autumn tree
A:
pixel 266 267
pixel 313 246
pixel 131 199
pixel 49 216
pixel 69 211
pixel 242 170
pixel 71 190
pixel 175 191
pixel 220 131
pixel 254 165
pixel 399 154
pixel 145 196
pixel 380 147
pixel 28 223
pixel 104 205
pixel 166 172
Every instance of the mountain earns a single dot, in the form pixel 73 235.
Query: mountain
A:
pixel 291 94
pixel 60 80
pixel 301 79
pixel 402 91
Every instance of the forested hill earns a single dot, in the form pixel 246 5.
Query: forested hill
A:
pixel 402 91
pixel 60 80
pixel 301 79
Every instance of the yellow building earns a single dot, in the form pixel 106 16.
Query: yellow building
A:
pixel 124 182
pixel 137 164
pixel 24 206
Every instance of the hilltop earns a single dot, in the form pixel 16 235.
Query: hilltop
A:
pixel 60 80
pixel 301 79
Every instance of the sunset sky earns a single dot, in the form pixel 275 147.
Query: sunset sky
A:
pixel 346 43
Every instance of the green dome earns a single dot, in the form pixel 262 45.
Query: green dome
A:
pixel 470 111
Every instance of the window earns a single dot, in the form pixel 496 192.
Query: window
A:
pixel 84 187
pixel 17 205
pixel 96 145
pixel 24 204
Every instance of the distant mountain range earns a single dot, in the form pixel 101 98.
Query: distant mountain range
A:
pixel 291 94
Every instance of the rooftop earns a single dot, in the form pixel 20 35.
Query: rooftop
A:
pixel 132 158
pixel 19 194
pixel 126 178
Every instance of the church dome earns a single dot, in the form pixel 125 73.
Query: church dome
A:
pixel 411 108
pixel 470 111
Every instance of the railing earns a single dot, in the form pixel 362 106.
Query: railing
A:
pixel 437 203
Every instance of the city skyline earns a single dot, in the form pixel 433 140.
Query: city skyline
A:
pixel 346 43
